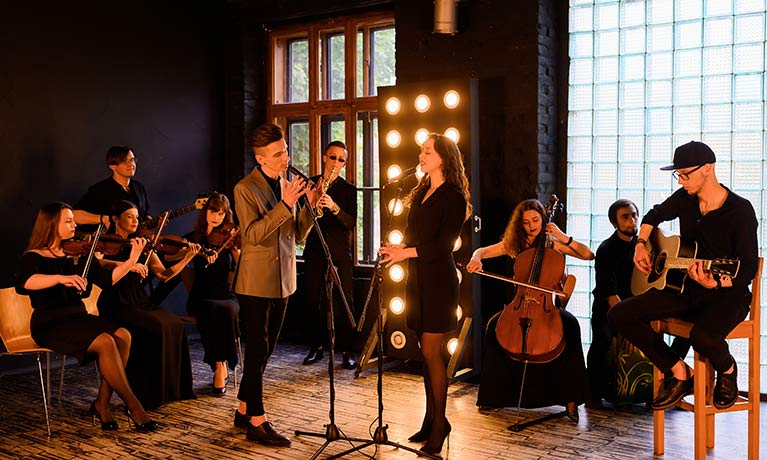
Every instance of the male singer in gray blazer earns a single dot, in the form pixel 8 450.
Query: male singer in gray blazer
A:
pixel 270 223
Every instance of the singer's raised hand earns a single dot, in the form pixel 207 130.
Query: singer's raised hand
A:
pixel 293 190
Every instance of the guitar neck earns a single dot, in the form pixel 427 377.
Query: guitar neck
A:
pixel 173 214
pixel 683 263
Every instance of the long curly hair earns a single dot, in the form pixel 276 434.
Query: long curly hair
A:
pixel 46 226
pixel 452 170
pixel 514 236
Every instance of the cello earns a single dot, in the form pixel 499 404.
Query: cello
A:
pixel 530 326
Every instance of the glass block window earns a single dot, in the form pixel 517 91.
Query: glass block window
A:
pixel 646 76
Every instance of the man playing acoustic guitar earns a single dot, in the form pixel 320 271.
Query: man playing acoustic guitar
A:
pixel 722 225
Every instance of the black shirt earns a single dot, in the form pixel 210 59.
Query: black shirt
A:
pixel 336 228
pixel 100 196
pixel 612 269
pixel 729 231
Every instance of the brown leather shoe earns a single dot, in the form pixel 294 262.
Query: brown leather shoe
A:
pixel 266 435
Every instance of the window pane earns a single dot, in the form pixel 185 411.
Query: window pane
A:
pixel 360 58
pixel 298 70
pixel 298 145
pixel 382 57
pixel 333 128
pixel 335 79
pixel 367 175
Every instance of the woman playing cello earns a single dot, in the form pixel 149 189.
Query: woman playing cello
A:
pixel 561 381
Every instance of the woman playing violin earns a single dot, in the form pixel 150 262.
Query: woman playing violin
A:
pixel 558 382
pixel 61 322
pixel 160 369
pixel 439 205
pixel 210 298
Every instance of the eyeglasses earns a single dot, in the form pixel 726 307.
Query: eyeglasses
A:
pixel 130 161
pixel 335 158
pixel 685 176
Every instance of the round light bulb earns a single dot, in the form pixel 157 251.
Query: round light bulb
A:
pixel 452 345
pixel 396 273
pixel 393 138
pixel 393 171
pixel 396 207
pixel 460 275
pixel 421 135
pixel 393 105
pixel 398 340
pixel 451 99
pixel 453 134
pixel 418 173
pixel 422 103
pixel 397 305
pixel 395 237
pixel 459 312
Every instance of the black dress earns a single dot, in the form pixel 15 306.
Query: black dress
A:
pixel 60 321
pixel 214 306
pixel 557 382
pixel 432 282
pixel 159 369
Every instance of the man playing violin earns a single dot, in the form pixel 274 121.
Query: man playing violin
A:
pixel 94 207
pixel 271 224
pixel 723 224
pixel 339 216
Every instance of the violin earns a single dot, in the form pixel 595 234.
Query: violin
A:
pixel 225 236
pixel 82 244
pixel 530 326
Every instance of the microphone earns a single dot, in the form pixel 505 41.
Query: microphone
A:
pixel 298 173
pixel 403 175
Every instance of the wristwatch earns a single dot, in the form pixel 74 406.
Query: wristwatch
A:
pixel 336 209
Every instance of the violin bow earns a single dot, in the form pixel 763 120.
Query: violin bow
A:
pixel 88 261
pixel 163 221
pixel 519 283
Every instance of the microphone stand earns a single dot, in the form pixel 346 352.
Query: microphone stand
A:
pixel 380 437
pixel 332 432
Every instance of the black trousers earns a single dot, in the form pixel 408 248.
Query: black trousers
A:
pixel 714 313
pixel 315 322
pixel 596 359
pixel 260 320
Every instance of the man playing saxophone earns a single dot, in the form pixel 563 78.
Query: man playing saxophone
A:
pixel 337 215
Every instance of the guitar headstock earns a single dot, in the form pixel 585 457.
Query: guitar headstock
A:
pixel 200 203
pixel 727 267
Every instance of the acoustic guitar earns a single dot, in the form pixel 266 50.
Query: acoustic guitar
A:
pixel 670 258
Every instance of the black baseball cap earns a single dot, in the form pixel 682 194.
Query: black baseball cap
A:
pixel 693 153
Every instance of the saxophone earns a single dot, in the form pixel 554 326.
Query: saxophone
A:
pixel 325 187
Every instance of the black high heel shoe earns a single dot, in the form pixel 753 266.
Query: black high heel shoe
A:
pixel 145 427
pixel 106 426
pixel 434 445
pixel 423 434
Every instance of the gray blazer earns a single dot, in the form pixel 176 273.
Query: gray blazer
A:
pixel 269 234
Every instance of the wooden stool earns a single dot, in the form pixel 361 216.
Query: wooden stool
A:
pixel 702 407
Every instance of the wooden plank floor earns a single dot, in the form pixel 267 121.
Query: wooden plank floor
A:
pixel 297 399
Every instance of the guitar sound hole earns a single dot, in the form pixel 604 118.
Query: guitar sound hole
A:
pixel 660 262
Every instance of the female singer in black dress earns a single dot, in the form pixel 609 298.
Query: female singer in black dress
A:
pixel 439 205
pixel 160 369
pixel 61 322
pixel 210 298
pixel 558 382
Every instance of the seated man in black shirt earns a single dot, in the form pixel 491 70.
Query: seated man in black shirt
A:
pixel 723 225
pixel 612 270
